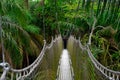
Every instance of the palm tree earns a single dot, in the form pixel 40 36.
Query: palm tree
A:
pixel 17 41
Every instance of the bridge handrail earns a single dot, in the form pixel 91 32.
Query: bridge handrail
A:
pixel 92 57
pixel 44 47
pixel 41 53
pixel 108 73
pixel 21 73
pixel 51 44
pixel 25 72
pixel 53 41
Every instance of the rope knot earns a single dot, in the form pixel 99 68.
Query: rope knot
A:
pixel 5 66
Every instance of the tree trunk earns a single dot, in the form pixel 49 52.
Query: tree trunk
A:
pixel 26 3
pixel 41 3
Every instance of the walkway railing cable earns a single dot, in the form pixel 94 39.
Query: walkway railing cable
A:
pixel 21 74
pixel 107 73
pixel 25 72
pixel 110 74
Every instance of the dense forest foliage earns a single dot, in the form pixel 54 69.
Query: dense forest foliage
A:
pixel 24 24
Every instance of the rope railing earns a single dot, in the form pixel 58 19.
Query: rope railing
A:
pixel 80 61
pixel 53 41
pixel 6 68
pixel 108 73
pixel 51 44
pixel 49 65
pixel 25 72
pixel 21 74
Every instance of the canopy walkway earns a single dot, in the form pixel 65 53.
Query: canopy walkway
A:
pixel 84 66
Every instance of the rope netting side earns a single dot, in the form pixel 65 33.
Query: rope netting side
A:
pixel 83 69
pixel 105 72
pixel 110 74
pixel 30 71
pixel 50 61
pixel 70 49
pixel 26 72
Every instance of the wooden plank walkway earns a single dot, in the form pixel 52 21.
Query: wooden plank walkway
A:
pixel 65 72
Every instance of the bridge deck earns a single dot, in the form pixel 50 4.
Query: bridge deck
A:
pixel 65 72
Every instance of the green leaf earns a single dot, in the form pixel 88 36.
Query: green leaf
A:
pixel 32 29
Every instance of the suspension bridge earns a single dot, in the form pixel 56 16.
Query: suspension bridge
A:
pixel 74 63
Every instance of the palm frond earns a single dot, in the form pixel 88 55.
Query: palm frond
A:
pixel 13 48
pixel 32 29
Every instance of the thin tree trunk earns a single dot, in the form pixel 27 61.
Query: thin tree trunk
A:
pixel 83 3
pixel 41 3
pixel 78 5
pixel 26 3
